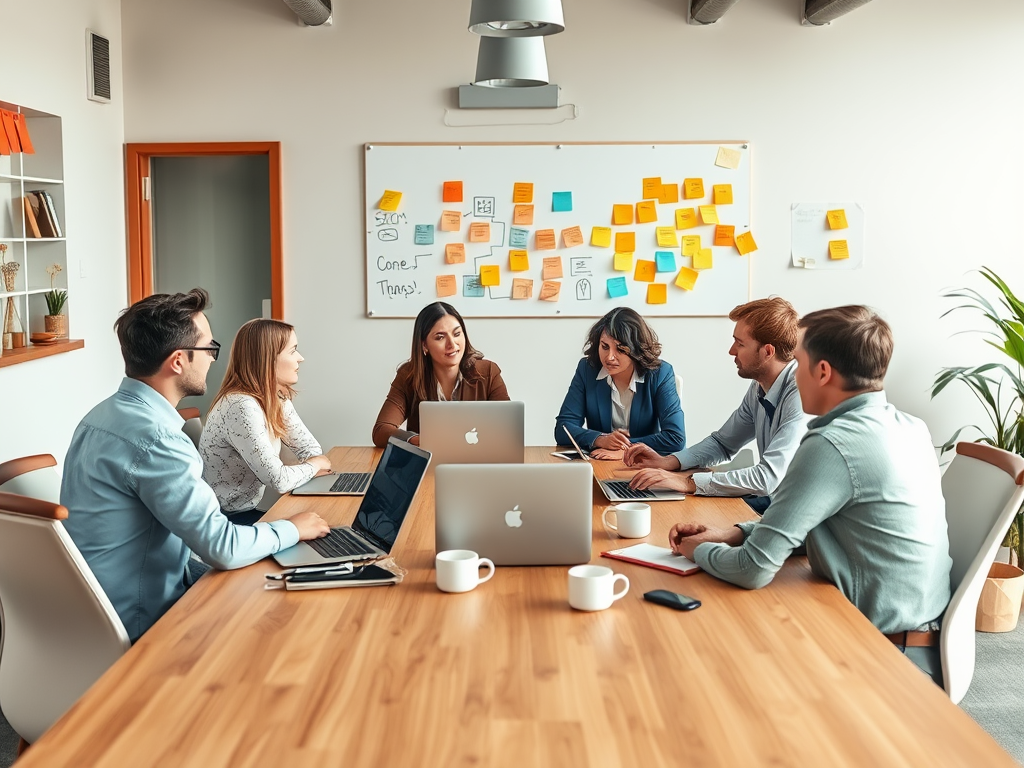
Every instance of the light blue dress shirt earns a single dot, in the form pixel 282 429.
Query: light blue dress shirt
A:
pixel 137 503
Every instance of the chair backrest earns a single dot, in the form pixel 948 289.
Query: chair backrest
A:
pixel 60 632
pixel 193 426
pixel 984 489
pixel 32 476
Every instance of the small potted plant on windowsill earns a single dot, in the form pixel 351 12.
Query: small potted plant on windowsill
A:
pixel 55 321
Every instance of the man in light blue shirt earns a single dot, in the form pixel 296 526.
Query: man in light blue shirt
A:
pixel 764 341
pixel 133 481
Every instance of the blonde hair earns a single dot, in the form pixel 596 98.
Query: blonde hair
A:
pixel 252 369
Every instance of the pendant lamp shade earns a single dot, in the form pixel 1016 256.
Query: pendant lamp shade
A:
pixel 511 62
pixel 516 18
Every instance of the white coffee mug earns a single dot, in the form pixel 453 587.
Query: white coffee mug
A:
pixel 592 587
pixel 632 520
pixel 458 570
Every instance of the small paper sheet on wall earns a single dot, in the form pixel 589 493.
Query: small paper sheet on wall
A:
pixel 813 229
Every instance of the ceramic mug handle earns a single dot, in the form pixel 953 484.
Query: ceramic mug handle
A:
pixel 490 566
pixel 625 580
pixel 604 519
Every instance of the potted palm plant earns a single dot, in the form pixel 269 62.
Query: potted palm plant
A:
pixel 999 387
pixel 55 321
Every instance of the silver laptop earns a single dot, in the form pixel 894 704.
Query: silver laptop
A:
pixel 379 519
pixel 487 432
pixel 335 484
pixel 619 490
pixel 516 514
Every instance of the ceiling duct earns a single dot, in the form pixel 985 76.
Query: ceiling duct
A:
pixel 312 13
pixel 819 12
pixel 709 11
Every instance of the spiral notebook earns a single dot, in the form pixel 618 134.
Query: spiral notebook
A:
pixel 654 557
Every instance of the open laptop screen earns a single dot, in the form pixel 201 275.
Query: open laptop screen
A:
pixel 390 494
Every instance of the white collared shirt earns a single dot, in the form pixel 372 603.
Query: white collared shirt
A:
pixel 622 402
pixel 455 390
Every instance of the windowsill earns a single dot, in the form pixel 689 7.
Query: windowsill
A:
pixel 36 351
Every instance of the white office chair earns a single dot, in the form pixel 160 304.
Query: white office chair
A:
pixel 60 632
pixel 983 488
pixel 32 476
pixel 193 426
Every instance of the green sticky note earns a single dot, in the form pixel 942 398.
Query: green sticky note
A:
pixel 471 287
pixel 424 234
pixel 617 287
pixel 517 237
pixel 561 201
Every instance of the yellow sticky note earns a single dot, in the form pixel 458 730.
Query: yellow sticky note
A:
pixel 522 192
pixel 652 187
pixel 693 189
pixel 691 245
pixel 545 239
pixel 728 158
pixel 708 214
pixel 657 293
pixel 646 212
pixel 518 261
pixel 645 270
pixel 669 194
pixel 837 219
pixel 479 232
pixel 686 218
pixel 724 234
pixel 451 221
pixel 601 236
pixel 522 214
pixel 622 214
pixel 490 275
pixel 549 290
pixel 552 268
pixel 721 194
pixel 455 253
pixel 703 259
pixel 838 249
pixel 572 236
pixel 390 199
pixel 623 262
pixel 667 237
pixel 625 242
pixel 687 278
pixel 522 288
pixel 446 285
pixel 745 243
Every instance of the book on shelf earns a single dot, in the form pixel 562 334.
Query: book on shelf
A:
pixel 31 225
pixel 42 214
pixel 46 201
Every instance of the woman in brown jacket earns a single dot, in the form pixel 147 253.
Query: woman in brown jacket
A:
pixel 443 365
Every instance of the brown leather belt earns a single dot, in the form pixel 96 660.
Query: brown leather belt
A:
pixel 915 639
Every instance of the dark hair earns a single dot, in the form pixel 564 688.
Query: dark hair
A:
pixel 424 385
pixel 771 321
pixel 636 339
pixel 151 329
pixel 855 341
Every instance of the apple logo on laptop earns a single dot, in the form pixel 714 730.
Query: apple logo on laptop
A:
pixel 513 518
pixel 471 437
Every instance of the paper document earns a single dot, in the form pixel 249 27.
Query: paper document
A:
pixel 654 557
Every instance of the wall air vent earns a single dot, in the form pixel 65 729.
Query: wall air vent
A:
pixel 97 57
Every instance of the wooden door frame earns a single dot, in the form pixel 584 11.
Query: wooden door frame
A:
pixel 140 216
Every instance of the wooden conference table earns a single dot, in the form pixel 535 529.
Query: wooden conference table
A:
pixel 509 674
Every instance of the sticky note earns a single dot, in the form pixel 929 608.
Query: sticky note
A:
pixel 522 192
pixel 518 261
pixel 471 287
pixel 693 189
pixel 645 270
pixel 721 194
pixel 667 237
pixel 623 262
pixel 451 221
pixel 669 193
pixel 657 293
pixel 724 234
pixel 490 274
pixel 728 158
pixel 687 278
pixel 745 243
pixel 708 214
pixel 522 288
pixel 686 218
pixel 617 287
pixel 691 245
pixel 646 212
pixel 423 234
pixel 625 242
pixel 652 187
pixel 837 219
pixel 517 238
pixel 451 192
pixel 838 249
pixel 389 200
pixel 522 214
pixel 479 232
pixel 552 268
pixel 455 253
pixel 561 201
pixel 545 239
pixel 572 237
pixel 446 285
pixel 601 236
pixel 622 214
pixel 665 261
pixel 549 290
pixel 703 259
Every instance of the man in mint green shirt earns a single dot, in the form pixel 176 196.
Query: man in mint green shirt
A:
pixel 863 491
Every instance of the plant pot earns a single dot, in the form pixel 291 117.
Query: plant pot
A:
pixel 57 324
pixel 17 340
pixel 999 604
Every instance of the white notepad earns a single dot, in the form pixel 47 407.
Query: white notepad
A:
pixel 654 557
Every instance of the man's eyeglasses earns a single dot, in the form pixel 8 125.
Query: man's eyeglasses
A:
pixel 213 349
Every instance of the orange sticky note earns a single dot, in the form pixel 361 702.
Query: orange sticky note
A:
pixel 625 242
pixel 522 192
pixel 666 237
pixel 549 290
pixel 652 187
pixel 686 218
pixel 693 189
pixel 23 137
pixel 623 262
pixel 389 200
pixel 5 145
pixel 703 259
pixel 838 249
pixel 622 214
pixel 687 278
pixel 722 194
pixel 451 221
pixel 522 214
pixel 646 212
pixel 545 240
pixel 452 192
pixel 552 268
pixel 601 236
pixel 455 253
pixel 657 293
pixel 446 285
pixel 837 219
pixel 669 193
pixel 745 243
pixel 708 214
pixel 522 288
pixel 490 275
pixel 572 237
pixel 724 234
pixel 10 129
pixel 479 232
pixel 518 261
pixel 645 271
pixel 691 245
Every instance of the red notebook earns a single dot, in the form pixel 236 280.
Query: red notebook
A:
pixel 654 557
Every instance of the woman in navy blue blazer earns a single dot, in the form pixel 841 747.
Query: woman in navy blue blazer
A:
pixel 622 392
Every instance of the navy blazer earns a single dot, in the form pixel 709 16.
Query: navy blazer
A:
pixel 655 418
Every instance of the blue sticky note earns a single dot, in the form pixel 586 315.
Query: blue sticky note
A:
pixel 665 261
pixel 561 201
pixel 617 287
pixel 518 237
pixel 424 234
pixel 471 287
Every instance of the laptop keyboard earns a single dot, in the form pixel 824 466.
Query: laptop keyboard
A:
pixel 351 482
pixel 622 489
pixel 341 542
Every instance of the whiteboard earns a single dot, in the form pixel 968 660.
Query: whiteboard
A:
pixel 407 250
